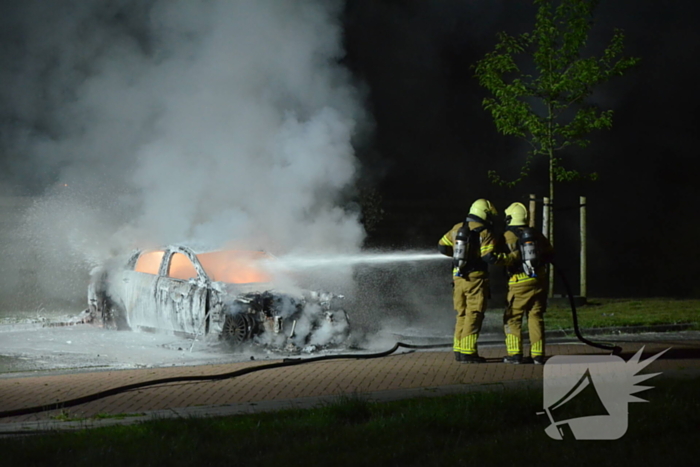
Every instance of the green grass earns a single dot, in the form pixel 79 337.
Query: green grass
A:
pixel 498 427
pixel 65 416
pixel 626 312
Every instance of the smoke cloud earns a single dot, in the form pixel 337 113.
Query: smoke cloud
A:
pixel 207 122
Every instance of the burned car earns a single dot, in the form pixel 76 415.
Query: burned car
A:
pixel 225 294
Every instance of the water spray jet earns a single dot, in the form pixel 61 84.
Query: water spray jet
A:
pixel 292 262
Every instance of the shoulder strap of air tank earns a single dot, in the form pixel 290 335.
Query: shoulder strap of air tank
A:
pixel 517 230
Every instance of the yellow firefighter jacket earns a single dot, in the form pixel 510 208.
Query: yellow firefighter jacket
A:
pixel 486 252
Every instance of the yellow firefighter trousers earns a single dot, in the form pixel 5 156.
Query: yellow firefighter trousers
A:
pixel 529 296
pixel 469 297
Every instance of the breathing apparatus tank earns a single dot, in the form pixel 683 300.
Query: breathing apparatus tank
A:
pixel 528 251
pixel 461 247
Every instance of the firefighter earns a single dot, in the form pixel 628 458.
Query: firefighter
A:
pixel 471 244
pixel 528 252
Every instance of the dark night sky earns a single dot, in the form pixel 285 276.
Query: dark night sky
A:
pixel 433 143
pixel 416 57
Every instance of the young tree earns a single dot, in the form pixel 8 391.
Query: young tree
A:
pixel 548 106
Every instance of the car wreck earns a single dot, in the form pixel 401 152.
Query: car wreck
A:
pixel 226 295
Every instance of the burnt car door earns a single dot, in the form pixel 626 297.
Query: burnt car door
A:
pixel 137 287
pixel 181 293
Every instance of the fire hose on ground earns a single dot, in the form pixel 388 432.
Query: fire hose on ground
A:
pixel 574 316
pixel 284 363
pixel 179 379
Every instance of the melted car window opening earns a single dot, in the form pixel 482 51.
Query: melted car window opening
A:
pixel 149 262
pixel 181 267
pixel 231 266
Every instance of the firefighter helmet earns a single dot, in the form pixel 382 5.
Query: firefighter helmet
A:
pixel 483 209
pixel 516 214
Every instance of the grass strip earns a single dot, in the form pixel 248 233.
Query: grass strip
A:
pixel 598 313
pixel 486 428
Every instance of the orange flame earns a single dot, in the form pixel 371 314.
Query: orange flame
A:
pixel 232 266
pixel 235 266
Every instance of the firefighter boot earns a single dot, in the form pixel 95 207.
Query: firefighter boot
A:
pixel 472 358
pixel 516 359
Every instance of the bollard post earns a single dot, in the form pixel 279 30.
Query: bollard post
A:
pixel 546 211
pixel 582 204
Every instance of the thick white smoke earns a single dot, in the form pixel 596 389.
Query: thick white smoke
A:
pixel 196 121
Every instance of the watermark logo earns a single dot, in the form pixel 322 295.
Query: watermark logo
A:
pixel 602 385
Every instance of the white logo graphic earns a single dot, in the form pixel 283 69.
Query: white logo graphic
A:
pixel 605 383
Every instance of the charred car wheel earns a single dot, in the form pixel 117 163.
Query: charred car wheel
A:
pixel 238 328
pixel 113 316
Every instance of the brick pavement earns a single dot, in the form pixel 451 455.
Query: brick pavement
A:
pixel 402 374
